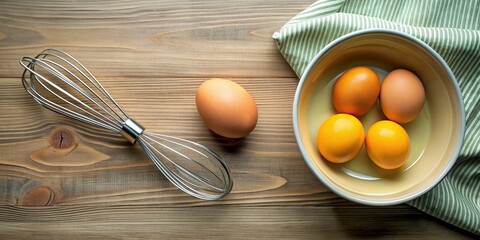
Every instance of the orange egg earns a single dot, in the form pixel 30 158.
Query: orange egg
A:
pixel 402 96
pixel 340 138
pixel 226 108
pixel 356 91
pixel 387 144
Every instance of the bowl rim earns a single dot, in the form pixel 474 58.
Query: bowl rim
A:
pixel 440 60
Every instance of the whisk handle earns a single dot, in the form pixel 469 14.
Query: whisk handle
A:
pixel 131 130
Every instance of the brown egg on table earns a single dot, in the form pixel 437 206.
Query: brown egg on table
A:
pixel 226 108
pixel 356 91
pixel 402 96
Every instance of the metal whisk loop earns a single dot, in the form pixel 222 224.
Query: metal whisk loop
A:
pixel 59 82
pixel 182 167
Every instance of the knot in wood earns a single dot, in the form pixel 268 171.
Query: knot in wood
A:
pixel 38 196
pixel 63 138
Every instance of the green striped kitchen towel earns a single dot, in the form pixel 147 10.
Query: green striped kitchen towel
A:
pixel 452 28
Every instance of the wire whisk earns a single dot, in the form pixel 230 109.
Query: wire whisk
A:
pixel 59 82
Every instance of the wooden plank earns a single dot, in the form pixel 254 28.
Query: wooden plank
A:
pixel 151 38
pixel 226 222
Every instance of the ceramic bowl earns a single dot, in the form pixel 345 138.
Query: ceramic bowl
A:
pixel 436 135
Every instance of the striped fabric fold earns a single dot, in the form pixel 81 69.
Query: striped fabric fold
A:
pixel 452 28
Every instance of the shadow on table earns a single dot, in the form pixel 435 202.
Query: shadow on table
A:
pixel 380 222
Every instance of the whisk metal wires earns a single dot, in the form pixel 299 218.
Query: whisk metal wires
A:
pixel 59 82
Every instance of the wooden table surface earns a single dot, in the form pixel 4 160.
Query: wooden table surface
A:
pixel 152 56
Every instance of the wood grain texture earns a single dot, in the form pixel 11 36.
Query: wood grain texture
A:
pixel 222 222
pixel 151 38
pixel 63 179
